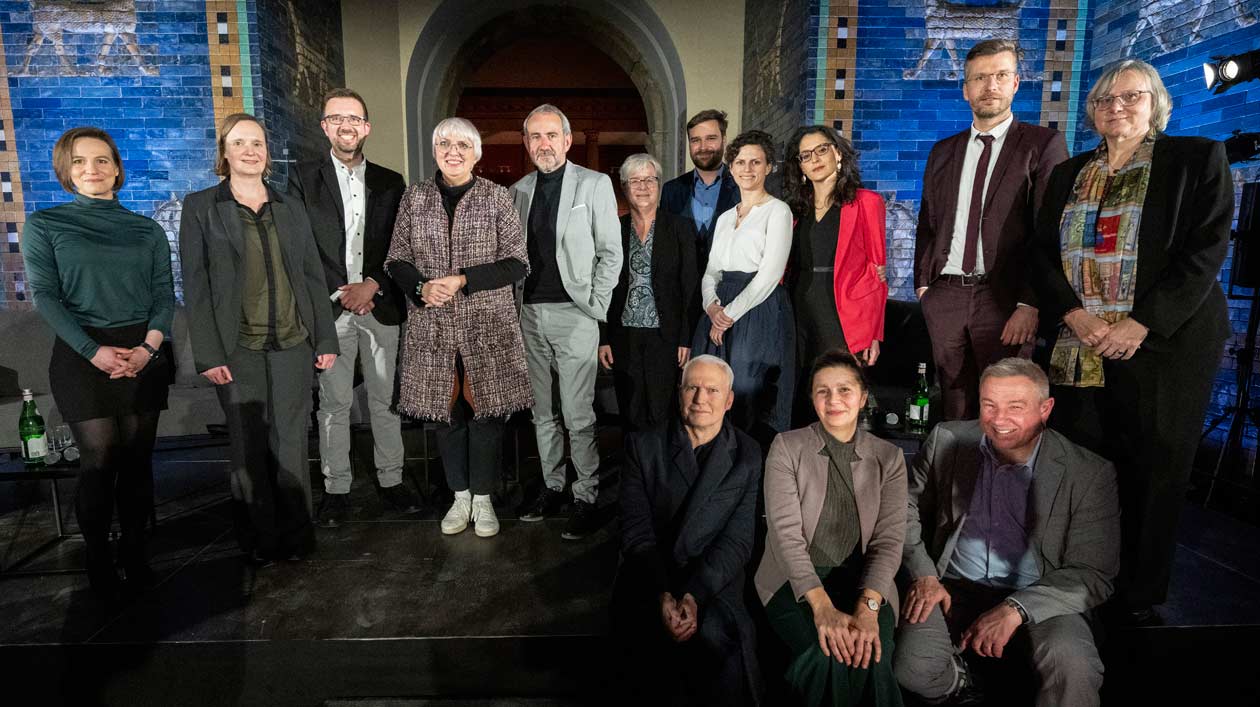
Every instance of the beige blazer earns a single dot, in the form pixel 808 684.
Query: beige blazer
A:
pixel 795 486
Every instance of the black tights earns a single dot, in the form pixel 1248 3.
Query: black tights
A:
pixel 115 466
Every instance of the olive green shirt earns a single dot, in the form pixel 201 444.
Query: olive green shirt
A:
pixel 838 531
pixel 269 317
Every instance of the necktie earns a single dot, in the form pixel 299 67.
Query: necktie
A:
pixel 977 201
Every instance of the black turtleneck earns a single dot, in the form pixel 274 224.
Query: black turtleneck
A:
pixel 544 284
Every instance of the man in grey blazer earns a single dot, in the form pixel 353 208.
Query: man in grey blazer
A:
pixel 574 242
pixel 1013 536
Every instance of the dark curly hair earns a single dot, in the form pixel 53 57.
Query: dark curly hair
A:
pixel 760 138
pixel 798 191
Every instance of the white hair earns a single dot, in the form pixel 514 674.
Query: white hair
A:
pixel 1161 100
pixel 636 162
pixel 713 361
pixel 458 129
pixel 547 108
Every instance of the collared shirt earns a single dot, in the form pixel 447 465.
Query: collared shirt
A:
pixel 351 181
pixel 704 199
pixel 962 210
pixel 993 547
pixel 269 316
pixel 640 310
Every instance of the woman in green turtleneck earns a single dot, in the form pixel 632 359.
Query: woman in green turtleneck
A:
pixel 100 276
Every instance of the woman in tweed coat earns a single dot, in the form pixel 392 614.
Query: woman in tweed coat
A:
pixel 458 249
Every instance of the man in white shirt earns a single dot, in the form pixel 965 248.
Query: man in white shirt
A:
pixel 981 189
pixel 352 204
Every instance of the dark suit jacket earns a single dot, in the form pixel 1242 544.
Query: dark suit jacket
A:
pixel 1019 178
pixel 1182 243
pixel 1075 517
pixel 675 283
pixel 210 242
pixel 315 185
pixel 676 199
pixel 690 530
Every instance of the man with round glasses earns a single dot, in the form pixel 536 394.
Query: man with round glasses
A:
pixel 980 191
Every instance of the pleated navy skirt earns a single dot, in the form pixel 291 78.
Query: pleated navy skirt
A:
pixel 761 349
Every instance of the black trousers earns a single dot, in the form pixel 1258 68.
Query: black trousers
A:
pixel 472 450
pixel 1147 420
pixel 267 406
pixel 645 375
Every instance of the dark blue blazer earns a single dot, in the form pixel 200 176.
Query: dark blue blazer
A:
pixel 676 199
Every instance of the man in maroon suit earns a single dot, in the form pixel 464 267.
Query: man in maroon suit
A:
pixel 981 188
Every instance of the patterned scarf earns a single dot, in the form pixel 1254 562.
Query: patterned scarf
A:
pixel 1098 239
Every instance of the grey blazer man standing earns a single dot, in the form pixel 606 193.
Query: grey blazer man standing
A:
pixel 573 238
pixel 1015 532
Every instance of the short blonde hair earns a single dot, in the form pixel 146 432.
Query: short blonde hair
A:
pixel 458 128
pixel 221 167
pixel 63 154
pixel 1161 101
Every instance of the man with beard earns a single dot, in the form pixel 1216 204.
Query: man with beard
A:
pixel 352 204
pixel 1012 538
pixel 688 500
pixel 981 189
pixel 573 238
pixel 707 191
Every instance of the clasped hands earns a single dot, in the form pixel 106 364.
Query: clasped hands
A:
pixel 852 639
pixel 120 362
pixel 721 322
pixel 987 635
pixel 440 290
pixel 1117 341
pixel 681 617
pixel 359 297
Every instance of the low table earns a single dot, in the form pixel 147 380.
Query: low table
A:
pixel 15 470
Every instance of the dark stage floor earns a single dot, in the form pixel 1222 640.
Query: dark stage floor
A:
pixel 387 607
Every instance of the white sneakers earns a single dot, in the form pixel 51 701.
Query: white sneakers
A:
pixel 469 508
pixel 485 523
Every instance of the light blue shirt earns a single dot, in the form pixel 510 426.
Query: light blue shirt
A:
pixel 993 547
pixel 704 199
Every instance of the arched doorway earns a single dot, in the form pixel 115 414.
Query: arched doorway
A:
pixel 602 103
pixel 460 37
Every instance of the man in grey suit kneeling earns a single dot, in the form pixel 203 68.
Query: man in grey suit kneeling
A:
pixel 1013 536
pixel 574 241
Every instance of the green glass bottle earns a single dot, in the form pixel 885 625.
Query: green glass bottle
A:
pixel 917 404
pixel 31 430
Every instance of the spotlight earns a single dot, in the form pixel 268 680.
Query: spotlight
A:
pixel 1226 71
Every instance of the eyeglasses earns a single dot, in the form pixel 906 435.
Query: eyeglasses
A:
pixel 445 145
pixel 354 120
pixel 818 152
pixel 1003 78
pixel 1127 98
pixel 636 182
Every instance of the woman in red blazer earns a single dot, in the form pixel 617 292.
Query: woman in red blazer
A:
pixel 838 255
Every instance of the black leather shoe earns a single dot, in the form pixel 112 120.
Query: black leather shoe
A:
pixel 546 503
pixel 401 498
pixel 583 521
pixel 969 690
pixel 333 510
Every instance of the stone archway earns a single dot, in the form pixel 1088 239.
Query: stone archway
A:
pixel 458 34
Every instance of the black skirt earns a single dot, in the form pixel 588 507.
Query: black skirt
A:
pixel 84 392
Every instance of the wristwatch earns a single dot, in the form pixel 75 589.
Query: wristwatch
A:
pixel 1023 615
pixel 870 603
pixel 153 353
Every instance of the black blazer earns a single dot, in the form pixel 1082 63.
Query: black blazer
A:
pixel 210 241
pixel 676 199
pixel 675 282
pixel 314 183
pixel 1182 243
pixel 689 530
pixel 1019 178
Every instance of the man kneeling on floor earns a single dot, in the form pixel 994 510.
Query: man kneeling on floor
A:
pixel 1013 537
pixel 688 499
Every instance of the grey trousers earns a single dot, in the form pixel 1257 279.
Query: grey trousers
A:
pixel 561 350
pixel 267 405
pixel 1061 652
pixel 375 345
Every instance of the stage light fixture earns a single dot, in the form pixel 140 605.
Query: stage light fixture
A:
pixel 1242 147
pixel 1224 72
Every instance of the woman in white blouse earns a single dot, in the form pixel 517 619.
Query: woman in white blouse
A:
pixel 748 318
